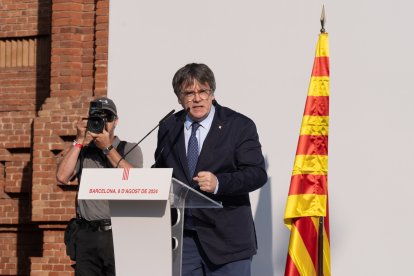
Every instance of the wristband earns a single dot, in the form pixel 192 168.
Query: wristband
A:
pixel 77 145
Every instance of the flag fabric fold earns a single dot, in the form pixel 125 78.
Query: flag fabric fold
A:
pixel 308 194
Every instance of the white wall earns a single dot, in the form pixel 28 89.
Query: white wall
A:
pixel 262 54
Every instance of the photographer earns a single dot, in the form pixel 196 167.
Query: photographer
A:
pixel 96 146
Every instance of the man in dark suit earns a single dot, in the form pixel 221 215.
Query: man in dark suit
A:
pixel 217 151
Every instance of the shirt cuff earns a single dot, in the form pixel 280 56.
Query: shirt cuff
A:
pixel 217 186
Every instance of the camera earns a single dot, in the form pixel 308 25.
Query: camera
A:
pixel 98 117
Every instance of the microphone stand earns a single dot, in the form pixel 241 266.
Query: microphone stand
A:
pixel 182 118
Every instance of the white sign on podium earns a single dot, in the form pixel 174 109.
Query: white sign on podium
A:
pixel 125 184
pixel 140 215
pixel 146 241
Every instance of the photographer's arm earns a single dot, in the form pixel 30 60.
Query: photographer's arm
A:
pixel 103 141
pixel 66 168
pixel 115 158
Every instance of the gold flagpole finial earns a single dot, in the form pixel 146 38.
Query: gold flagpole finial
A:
pixel 323 19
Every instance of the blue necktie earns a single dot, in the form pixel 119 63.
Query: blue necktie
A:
pixel 192 158
pixel 192 149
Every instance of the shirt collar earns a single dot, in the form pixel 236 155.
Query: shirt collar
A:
pixel 204 123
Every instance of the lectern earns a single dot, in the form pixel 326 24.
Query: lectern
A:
pixel 146 240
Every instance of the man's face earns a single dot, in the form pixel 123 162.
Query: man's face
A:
pixel 111 122
pixel 198 98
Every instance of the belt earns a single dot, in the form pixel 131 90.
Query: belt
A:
pixel 101 225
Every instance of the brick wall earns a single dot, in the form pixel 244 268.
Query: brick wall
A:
pixel 53 59
pixel 24 18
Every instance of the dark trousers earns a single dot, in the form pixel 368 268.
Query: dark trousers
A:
pixel 196 263
pixel 94 252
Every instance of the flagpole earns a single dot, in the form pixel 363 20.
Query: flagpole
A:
pixel 320 233
pixel 320 247
pixel 306 214
pixel 323 19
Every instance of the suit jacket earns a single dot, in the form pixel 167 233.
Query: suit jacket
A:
pixel 232 152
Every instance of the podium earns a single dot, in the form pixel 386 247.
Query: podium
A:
pixel 147 214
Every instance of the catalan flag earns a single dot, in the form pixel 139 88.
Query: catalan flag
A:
pixel 307 202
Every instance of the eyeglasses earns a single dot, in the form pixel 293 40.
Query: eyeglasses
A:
pixel 202 93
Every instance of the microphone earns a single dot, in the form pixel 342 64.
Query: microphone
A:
pixel 182 119
pixel 165 117
pixel 159 123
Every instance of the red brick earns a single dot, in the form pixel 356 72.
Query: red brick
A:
pixel 76 68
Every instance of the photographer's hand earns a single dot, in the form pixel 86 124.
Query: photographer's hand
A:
pixel 81 130
pixel 101 140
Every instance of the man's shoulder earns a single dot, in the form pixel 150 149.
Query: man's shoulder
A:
pixel 118 140
pixel 132 153
pixel 226 113
pixel 176 118
pixel 128 145
pixel 123 146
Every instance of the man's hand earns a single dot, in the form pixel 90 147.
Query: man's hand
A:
pixel 81 130
pixel 207 181
pixel 82 136
pixel 102 140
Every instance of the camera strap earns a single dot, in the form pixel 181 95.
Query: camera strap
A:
pixel 121 148
pixel 86 150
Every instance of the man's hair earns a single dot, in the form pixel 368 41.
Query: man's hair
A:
pixel 193 72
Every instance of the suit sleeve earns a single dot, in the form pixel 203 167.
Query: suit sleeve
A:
pixel 249 173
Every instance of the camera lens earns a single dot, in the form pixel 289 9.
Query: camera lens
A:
pixel 96 124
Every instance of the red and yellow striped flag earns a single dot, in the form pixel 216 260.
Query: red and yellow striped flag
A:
pixel 308 193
